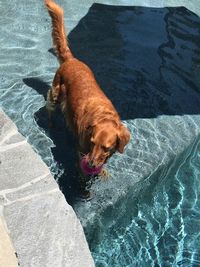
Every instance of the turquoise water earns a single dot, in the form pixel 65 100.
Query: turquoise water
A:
pixel 153 68
pixel 165 226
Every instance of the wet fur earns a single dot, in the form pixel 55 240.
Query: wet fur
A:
pixel 88 112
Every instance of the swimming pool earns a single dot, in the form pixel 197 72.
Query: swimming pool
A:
pixel 164 229
pixel 146 214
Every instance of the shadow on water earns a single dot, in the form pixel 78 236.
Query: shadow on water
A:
pixel 147 61
pixel 64 151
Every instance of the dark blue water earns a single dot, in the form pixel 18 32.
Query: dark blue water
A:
pixel 147 60
pixel 165 226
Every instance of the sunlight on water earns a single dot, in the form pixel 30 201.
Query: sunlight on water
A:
pixel 166 229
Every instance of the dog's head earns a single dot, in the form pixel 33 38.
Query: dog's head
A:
pixel 106 138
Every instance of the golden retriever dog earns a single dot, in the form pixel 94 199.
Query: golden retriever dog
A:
pixel 88 113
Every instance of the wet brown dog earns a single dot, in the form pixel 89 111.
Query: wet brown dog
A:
pixel 88 112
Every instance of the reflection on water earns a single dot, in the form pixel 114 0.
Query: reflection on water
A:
pixel 164 229
pixel 147 60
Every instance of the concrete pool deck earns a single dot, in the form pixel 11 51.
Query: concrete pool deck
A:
pixel 42 226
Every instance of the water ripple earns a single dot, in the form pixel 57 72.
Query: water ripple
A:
pixel 166 230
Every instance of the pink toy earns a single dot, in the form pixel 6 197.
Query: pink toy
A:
pixel 88 169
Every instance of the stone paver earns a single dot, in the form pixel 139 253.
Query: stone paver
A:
pixel 42 226
pixel 8 258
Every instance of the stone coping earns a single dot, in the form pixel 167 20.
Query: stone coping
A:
pixel 8 256
pixel 43 228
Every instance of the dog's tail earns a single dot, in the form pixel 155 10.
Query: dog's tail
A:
pixel 58 31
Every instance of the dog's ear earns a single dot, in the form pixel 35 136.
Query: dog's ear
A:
pixel 123 138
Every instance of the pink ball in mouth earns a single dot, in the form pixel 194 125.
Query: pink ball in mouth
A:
pixel 89 170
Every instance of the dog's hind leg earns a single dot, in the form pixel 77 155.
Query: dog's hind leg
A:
pixel 53 96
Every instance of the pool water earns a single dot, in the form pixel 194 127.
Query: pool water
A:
pixel 153 68
pixel 147 60
pixel 165 227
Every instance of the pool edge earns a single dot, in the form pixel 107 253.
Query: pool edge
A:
pixel 43 227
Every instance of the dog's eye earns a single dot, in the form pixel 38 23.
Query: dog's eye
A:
pixel 107 149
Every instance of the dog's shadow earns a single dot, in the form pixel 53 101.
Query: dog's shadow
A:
pixel 144 61
pixel 64 151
